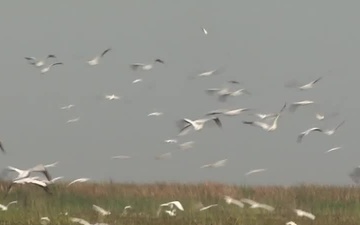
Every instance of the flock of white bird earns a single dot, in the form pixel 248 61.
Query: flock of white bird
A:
pixel 267 122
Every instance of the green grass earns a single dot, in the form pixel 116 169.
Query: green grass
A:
pixel 331 205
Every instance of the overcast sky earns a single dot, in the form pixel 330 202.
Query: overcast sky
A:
pixel 262 44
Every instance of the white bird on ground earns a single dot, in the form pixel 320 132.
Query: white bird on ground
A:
pixel 112 97
pixel 79 220
pixel 332 131
pixel 171 212
pixel 302 213
pixel 196 124
pixel 101 211
pixel 229 200
pixel 216 164
pixel 265 126
pixel 143 66
pixel 67 107
pixel 121 157
pixel 26 173
pixel 333 149
pixel 186 145
pixel 307 132
pixel 5 207
pixel 255 171
pixel 44 220
pixel 291 223
pixel 293 106
pixel 73 120
pixel 207 207
pixel 126 209
pixel 253 204
pixel 47 68
pixel 38 62
pixel 228 112
pixel 156 114
pixel 171 141
pixel 80 180
pixel 204 31
pixel 96 60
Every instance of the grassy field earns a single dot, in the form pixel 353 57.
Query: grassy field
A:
pixel 331 205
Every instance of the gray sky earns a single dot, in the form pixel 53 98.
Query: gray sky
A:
pixel 262 44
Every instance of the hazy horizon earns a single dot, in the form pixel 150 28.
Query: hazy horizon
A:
pixel 261 44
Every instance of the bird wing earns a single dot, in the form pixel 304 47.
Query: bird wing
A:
pixel 14 169
pixel 300 137
pixel 10 203
pixel 42 169
pixel 267 207
pixel 248 201
pixel 99 209
pixel 238 203
pixel 135 66
pixel 315 81
pixel 104 52
pixel 217 121
pixel 339 125
pixel 212 91
pixel 178 205
pixel 260 124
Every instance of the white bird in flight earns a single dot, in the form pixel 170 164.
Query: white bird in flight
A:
pixel 96 60
pixel 121 157
pixel 101 211
pixel 73 120
pixel 38 62
pixel 303 213
pixel 229 200
pixel 186 145
pixel 293 106
pixel 26 173
pixel 196 124
pixel 265 126
pixel 156 114
pixel 216 164
pixel 207 207
pixel 112 97
pixel 291 223
pixel 171 141
pixel 304 86
pixel 47 68
pixel 79 220
pixel 204 31
pixel 307 132
pixel 137 81
pixel 67 107
pixel 5 207
pixel 143 66
pixel 255 171
pixel 80 180
pixel 333 149
pixel 332 131
pixel 29 180
pixel 253 204
pixel 171 204
pixel 228 112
